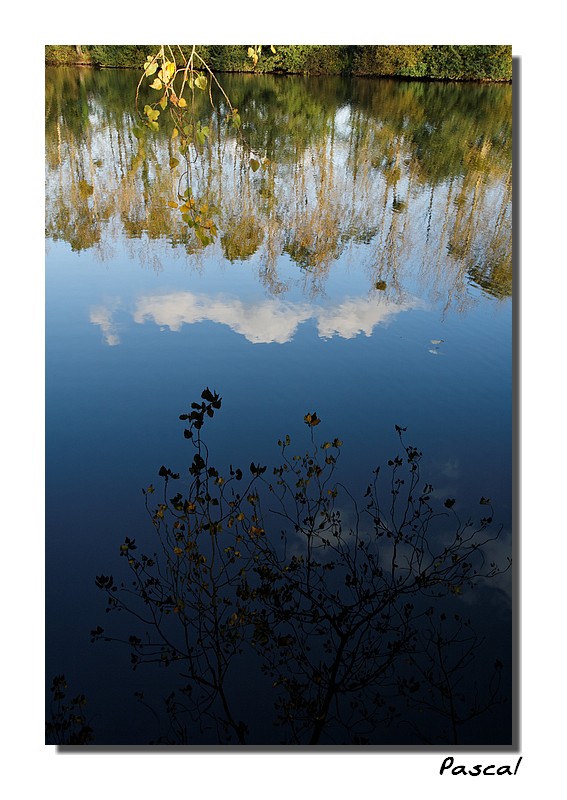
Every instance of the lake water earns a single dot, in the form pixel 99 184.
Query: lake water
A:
pixel 362 270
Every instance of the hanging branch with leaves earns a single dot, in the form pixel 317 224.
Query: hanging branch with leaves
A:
pixel 179 80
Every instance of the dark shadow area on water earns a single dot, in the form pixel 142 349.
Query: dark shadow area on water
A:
pixel 353 616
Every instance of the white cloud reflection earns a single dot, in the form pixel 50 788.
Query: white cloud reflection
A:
pixel 103 316
pixel 268 320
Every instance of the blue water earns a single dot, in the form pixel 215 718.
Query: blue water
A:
pixel 129 346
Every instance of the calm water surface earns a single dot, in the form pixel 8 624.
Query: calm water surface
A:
pixel 364 272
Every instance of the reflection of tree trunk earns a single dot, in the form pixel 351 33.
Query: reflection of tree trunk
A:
pixel 92 179
pixel 452 708
pixel 273 237
pixel 330 693
pixel 445 224
pixel 429 214
pixel 506 200
pixel 59 159
pixel 465 223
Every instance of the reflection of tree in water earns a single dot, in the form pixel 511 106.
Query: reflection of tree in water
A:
pixel 493 269
pixel 243 233
pixel 418 172
pixel 277 588
pixel 314 235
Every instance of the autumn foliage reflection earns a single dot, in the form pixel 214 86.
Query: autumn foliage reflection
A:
pixel 418 173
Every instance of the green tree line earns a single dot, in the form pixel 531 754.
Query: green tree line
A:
pixel 440 62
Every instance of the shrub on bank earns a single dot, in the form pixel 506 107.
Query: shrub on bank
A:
pixel 65 54
pixel 441 62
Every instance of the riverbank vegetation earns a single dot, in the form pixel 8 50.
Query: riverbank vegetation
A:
pixel 437 62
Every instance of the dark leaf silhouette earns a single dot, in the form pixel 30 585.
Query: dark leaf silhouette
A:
pixel 344 622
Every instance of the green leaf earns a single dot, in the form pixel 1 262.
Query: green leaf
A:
pixel 201 82
pixel 234 117
pixel 254 164
pixel 151 113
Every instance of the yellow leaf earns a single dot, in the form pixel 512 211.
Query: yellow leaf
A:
pixel 167 71
pixel 173 204
pixel 174 133
pixel 182 102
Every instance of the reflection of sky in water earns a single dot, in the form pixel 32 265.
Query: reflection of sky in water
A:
pixel 263 321
pixel 129 348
